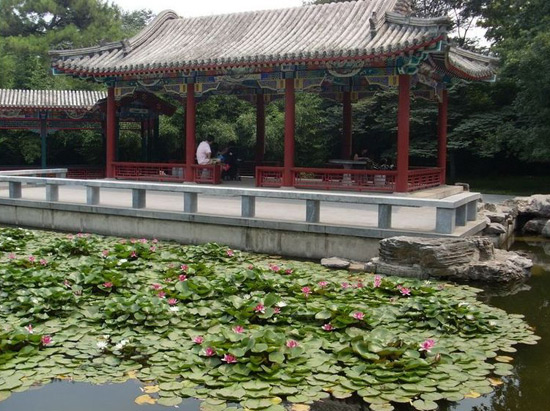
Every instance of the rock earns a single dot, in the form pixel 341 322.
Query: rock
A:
pixel 546 230
pixel 499 218
pixel 335 262
pixel 494 229
pixel 357 267
pixel 473 258
pixel 489 207
pixel 534 226
pixel 537 206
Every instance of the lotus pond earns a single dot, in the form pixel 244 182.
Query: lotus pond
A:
pixel 239 330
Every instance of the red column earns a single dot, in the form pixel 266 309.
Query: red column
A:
pixel 110 125
pixel 190 133
pixel 402 184
pixel 346 126
pixel 442 135
pixel 260 129
pixel 290 121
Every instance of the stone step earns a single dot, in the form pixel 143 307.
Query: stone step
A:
pixel 437 192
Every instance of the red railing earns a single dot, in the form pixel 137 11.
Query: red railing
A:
pixel 425 178
pixel 86 173
pixel 150 171
pixel 269 176
pixel 342 179
pixel 207 173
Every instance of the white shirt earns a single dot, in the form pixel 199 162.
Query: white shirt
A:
pixel 203 153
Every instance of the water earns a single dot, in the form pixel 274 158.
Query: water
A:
pixel 527 389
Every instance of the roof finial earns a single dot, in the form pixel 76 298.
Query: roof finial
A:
pixel 373 23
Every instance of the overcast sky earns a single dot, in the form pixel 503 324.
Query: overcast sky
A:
pixel 188 8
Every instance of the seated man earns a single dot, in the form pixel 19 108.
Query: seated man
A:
pixel 204 154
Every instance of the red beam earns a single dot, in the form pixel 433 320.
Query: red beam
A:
pixel 346 126
pixel 442 135
pixel 402 183
pixel 110 133
pixel 190 125
pixel 290 121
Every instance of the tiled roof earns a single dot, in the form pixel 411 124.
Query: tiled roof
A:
pixel 354 29
pixel 464 63
pixel 47 99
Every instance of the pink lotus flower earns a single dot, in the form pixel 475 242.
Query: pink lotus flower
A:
pixel 345 285
pixel 168 280
pixel 229 359
pixel 209 352
pixel 172 301
pixel 260 309
pixel 43 262
pixel 182 277
pixel 377 281
pixel 161 294
pixel 427 345
pixel 80 235
pixel 11 256
pixel 46 340
pixel 250 267
pixel 238 329
pixel 70 236
pixel 358 315
pixel 198 339
pixel 405 291
pixel 184 267
pixel 156 286
pixel 29 329
pixel 133 240
pixel 399 286
pixel 143 241
pixel 105 253
pixel 32 259
pixel 155 241
pixel 152 248
pixel 67 284
pixel 133 254
pixel 306 291
pixel 230 253
pixel 327 327
pixel 108 284
pixel 359 285
pixel 292 344
pixel 288 271
pixel 274 267
pixel 276 310
pixel 322 284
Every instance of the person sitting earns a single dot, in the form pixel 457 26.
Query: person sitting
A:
pixel 362 156
pixel 204 151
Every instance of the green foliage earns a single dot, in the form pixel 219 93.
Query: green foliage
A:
pixel 224 326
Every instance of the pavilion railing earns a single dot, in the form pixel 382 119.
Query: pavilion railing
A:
pixel 207 173
pixel 344 179
pixel 86 173
pixel 420 179
pixel 149 171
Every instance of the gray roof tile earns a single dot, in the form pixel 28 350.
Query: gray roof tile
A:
pixel 327 31
pixel 48 99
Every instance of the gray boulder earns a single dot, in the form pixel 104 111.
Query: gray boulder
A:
pixel 534 226
pixel 545 232
pixel 335 262
pixel 537 206
pixel 473 258
pixel 494 229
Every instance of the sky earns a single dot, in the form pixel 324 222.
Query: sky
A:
pixel 189 8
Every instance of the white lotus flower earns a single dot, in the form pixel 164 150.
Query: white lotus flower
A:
pixel 174 309
pixel 101 345
pixel 281 304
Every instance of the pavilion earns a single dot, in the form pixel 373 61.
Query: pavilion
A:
pixel 48 111
pixel 343 51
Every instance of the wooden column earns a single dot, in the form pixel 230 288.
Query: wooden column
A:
pixel 290 121
pixel 144 140
pixel 346 126
pixel 43 138
pixel 260 129
pixel 403 127
pixel 442 135
pixel 190 124
pixel 110 125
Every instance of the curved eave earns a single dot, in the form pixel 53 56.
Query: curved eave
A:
pixel 252 64
pixel 469 65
